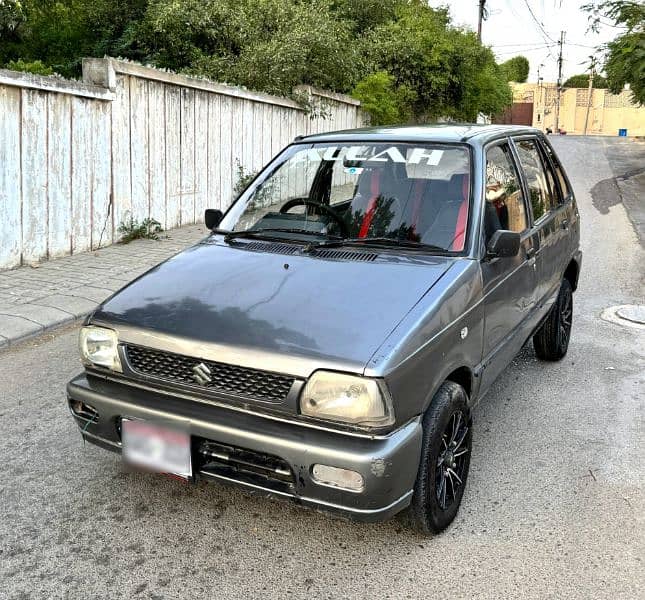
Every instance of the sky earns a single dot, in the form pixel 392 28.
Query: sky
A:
pixel 511 30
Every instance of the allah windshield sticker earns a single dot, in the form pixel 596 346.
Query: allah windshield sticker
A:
pixel 368 154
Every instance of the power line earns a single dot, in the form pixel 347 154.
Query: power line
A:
pixel 533 49
pixel 538 22
pixel 526 44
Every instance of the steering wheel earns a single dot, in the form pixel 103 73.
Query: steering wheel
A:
pixel 328 210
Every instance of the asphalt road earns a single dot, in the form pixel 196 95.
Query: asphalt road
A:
pixel 554 506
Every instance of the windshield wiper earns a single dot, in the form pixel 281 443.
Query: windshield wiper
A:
pixel 261 233
pixel 377 241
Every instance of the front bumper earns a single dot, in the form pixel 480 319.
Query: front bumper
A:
pixel 387 463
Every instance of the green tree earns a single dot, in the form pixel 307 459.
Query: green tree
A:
pixel 380 98
pixel 445 70
pixel 625 58
pixel 60 33
pixel 12 14
pixel 582 81
pixel 516 69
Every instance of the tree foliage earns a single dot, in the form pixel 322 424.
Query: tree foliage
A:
pixel 381 99
pixel 625 59
pixel 404 59
pixel 582 81
pixel 516 69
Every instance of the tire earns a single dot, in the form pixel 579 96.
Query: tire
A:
pixel 438 493
pixel 551 341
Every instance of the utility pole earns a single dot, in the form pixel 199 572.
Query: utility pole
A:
pixel 540 102
pixel 592 69
pixel 559 85
pixel 482 9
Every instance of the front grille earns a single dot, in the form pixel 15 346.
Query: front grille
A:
pixel 243 465
pixel 242 381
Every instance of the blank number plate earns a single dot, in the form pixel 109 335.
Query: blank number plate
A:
pixel 156 448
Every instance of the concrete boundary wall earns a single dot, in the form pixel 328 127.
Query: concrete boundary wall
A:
pixel 77 158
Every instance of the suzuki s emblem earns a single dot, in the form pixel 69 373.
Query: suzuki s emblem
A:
pixel 201 374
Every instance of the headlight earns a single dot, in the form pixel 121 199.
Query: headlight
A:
pixel 98 346
pixel 347 398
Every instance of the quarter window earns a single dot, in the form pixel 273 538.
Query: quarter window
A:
pixel 504 207
pixel 564 187
pixel 540 180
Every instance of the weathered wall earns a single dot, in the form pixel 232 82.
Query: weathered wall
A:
pixel 77 158
pixel 607 113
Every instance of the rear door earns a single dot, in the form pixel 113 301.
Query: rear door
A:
pixel 549 218
pixel 509 283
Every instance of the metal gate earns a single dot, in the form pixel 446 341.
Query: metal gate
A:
pixel 519 113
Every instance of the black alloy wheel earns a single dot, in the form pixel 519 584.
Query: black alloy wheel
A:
pixel 445 460
pixel 551 341
pixel 452 464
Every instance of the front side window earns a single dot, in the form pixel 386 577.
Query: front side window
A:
pixel 413 193
pixel 504 208
pixel 539 178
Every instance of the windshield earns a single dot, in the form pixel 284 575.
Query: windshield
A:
pixel 412 193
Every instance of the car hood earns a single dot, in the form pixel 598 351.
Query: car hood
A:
pixel 259 306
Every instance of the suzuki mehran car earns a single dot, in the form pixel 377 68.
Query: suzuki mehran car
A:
pixel 327 341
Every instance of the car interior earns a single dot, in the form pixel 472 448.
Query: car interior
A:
pixel 384 201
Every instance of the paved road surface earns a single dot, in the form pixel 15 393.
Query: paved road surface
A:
pixel 554 506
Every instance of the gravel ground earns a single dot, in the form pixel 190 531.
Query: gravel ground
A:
pixel 554 506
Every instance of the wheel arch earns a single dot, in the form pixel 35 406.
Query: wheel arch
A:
pixel 571 273
pixel 464 377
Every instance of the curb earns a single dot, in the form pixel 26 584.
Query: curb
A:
pixel 38 329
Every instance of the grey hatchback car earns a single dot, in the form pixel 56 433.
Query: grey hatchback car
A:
pixel 326 343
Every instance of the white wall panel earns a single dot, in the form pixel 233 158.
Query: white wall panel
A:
pixel 59 166
pixel 173 155
pixel 10 179
pixel 187 162
pixel 139 148
pixel 82 174
pixel 121 163
pixel 101 214
pixel 157 151
pixel 34 175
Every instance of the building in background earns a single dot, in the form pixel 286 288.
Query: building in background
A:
pixel 535 104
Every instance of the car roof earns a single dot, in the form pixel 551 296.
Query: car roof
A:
pixel 435 132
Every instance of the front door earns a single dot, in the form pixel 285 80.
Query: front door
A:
pixel 509 283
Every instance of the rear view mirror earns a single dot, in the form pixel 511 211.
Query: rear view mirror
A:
pixel 503 244
pixel 213 217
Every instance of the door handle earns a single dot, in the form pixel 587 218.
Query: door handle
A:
pixel 530 252
pixel 565 224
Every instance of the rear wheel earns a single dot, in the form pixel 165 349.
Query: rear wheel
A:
pixel 551 341
pixel 445 460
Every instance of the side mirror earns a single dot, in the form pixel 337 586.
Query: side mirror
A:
pixel 503 244
pixel 213 217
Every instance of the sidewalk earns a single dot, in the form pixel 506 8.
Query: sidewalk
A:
pixel 35 299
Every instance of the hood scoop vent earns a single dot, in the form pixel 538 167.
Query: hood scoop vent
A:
pixel 345 255
pixel 274 247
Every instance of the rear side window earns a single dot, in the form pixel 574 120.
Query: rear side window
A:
pixel 538 177
pixel 504 200
pixel 559 173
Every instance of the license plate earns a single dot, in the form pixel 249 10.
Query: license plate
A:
pixel 156 448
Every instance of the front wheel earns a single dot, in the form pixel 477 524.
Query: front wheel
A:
pixel 551 341
pixel 445 460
